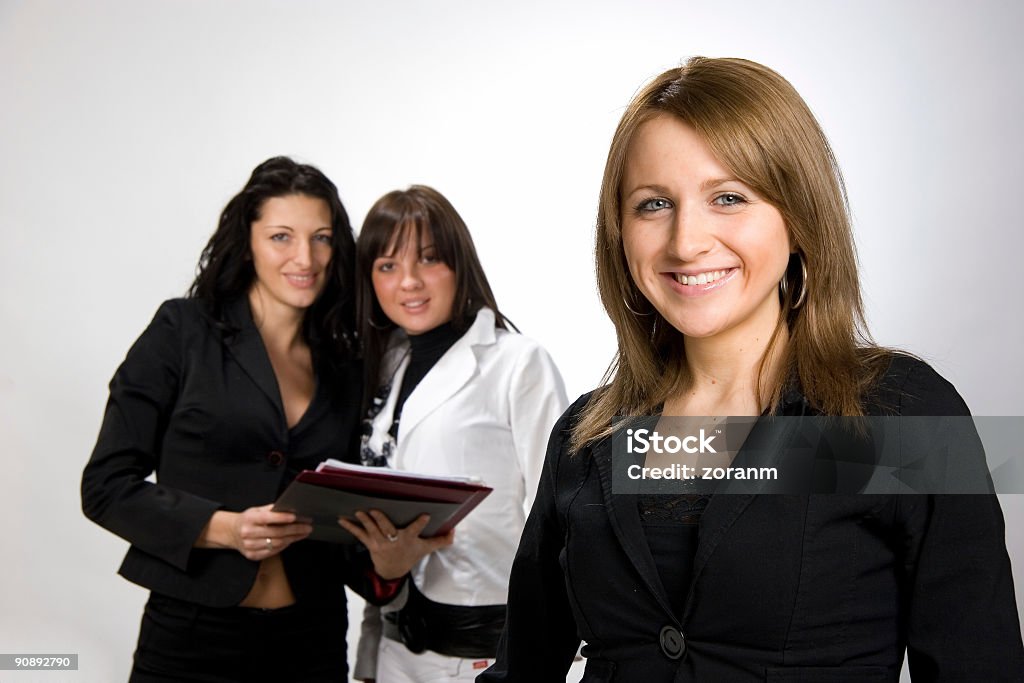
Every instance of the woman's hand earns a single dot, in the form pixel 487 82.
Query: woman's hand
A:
pixel 257 533
pixel 394 551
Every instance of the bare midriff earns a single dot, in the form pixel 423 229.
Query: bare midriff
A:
pixel 271 589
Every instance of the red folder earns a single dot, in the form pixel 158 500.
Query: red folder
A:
pixel 332 492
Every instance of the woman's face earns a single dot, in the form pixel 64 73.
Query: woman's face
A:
pixel 702 246
pixel 291 250
pixel 415 289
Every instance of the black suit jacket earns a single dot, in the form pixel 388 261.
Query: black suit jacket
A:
pixel 200 407
pixel 813 588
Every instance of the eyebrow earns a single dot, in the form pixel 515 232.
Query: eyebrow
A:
pixel 711 183
pixel 394 252
pixel 290 228
pixel 660 189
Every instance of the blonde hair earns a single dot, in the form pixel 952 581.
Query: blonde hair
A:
pixel 757 125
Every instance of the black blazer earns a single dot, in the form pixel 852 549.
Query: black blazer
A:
pixel 811 588
pixel 201 409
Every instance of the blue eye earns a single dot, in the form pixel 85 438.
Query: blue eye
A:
pixel 280 237
pixel 730 199
pixel 653 204
pixel 323 237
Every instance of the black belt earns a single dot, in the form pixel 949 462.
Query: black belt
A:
pixel 453 630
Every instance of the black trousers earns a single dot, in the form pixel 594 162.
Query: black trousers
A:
pixel 181 641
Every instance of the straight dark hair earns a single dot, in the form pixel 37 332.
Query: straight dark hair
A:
pixel 225 271
pixel 395 220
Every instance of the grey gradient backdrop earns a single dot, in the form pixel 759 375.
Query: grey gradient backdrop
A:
pixel 125 126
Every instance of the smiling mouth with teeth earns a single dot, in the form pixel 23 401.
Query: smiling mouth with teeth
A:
pixel 300 280
pixel 702 279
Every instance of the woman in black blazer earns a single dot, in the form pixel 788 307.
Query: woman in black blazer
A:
pixel 725 259
pixel 226 396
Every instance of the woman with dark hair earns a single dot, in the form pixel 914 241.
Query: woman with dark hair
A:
pixel 226 396
pixel 725 260
pixel 458 394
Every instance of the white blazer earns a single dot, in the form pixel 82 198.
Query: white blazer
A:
pixel 485 409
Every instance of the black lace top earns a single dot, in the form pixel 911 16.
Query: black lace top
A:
pixel 671 526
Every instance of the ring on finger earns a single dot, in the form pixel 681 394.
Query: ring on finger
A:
pixel 270 543
pixel 392 537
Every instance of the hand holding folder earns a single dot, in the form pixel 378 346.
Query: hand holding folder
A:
pixel 336 489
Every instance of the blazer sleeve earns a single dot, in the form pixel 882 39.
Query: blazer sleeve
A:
pixel 537 399
pixel 539 639
pixel 963 614
pixel 159 520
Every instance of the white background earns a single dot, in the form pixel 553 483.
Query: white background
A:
pixel 125 126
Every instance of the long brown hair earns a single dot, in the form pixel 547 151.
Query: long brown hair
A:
pixel 395 219
pixel 757 125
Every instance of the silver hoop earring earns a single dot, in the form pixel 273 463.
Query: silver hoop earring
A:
pixel 630 309
pixel 803 283
pixel 784 284
pixel 375 326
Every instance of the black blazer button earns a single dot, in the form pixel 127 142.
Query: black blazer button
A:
pixel 673 644
pixel 275 458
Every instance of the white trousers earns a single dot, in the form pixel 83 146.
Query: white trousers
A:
pixel 395 664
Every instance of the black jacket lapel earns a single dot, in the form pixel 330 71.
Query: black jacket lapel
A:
pixel 625 520
pixel 247 347
pixel 765 446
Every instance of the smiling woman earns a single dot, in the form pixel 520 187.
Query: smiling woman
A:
pixel 414 287
pixel 701 245
pixel 725 260
pixel 457 393
pixel 291 250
